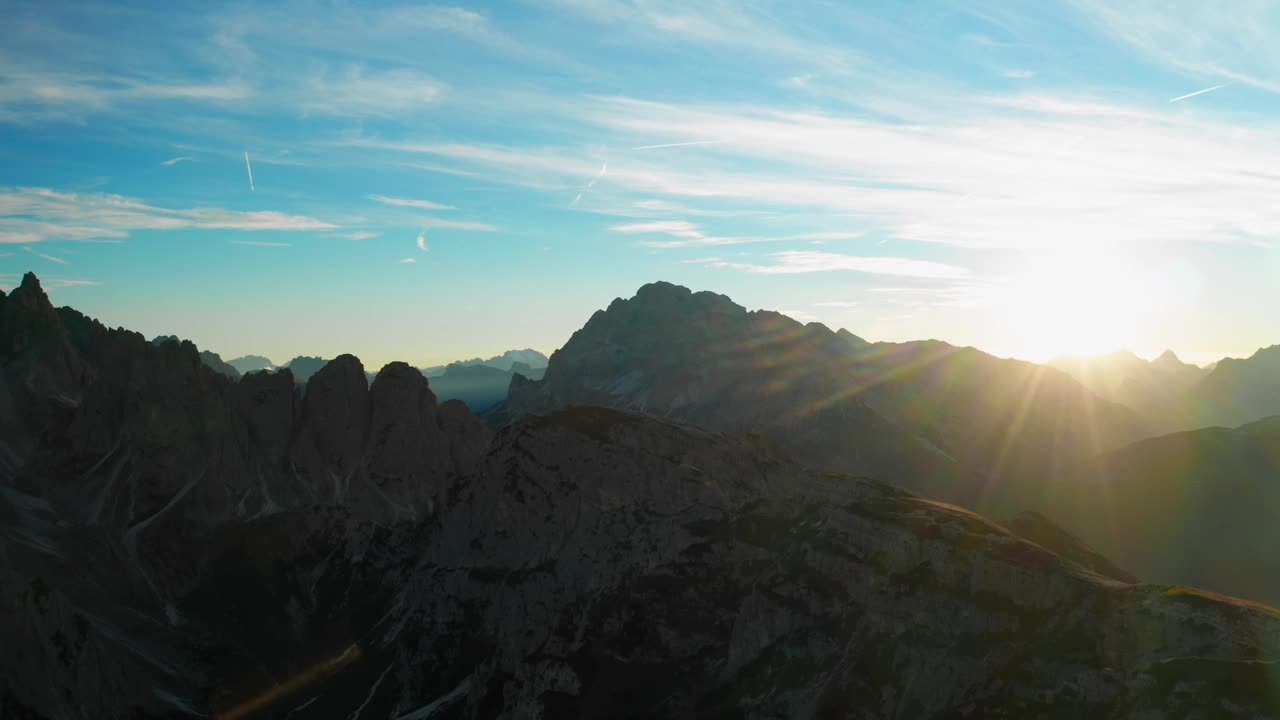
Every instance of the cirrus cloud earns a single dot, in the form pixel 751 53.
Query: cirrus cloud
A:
pixel 29 215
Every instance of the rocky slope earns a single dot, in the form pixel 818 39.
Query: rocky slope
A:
pixel 953 423
pixel 174 544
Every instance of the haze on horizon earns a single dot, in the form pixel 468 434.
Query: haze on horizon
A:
pixel 433 182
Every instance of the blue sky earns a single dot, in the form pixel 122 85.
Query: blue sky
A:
pixel 433 182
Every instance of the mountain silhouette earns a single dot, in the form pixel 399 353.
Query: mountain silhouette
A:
pixel 212 359
pixel 528 362
pixel 952 423
pixel 303 367
pixel 177 543
pixel 1159 390
pixel 252 363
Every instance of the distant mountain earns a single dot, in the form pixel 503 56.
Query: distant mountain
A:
pixel 209 358
pixel 532 360
pixel 252 363
pixel 478 383
pixel 1174 396
pixel 1239 390
pixel 1157 389
pixel 954 423
pixel 178 544
pixel 303 367
pixel 479 386
pixel 1197 508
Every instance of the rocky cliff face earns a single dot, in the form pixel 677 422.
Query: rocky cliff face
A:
pixel 173 544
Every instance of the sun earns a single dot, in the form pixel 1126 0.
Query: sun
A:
pixel 1083 302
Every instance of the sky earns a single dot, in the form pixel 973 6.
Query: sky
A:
pixel 433 182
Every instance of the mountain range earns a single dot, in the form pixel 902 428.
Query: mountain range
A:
pixel 1173 396
pixel 953 423
pixel 648 531
pixel 477 382
pixel 1000 436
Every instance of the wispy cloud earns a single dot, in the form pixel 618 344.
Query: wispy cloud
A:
pixel 1018 74
pixel 1196 37
pixel 27 96
pixel 356 91
pixel 260 243
pixel 728 25
pixel 30 215
pixel 791 262
pixel 679 228
pixel 837 304
pixel 362 235
pixel 653 205
pixel 175 161
pixel 429 223
pixel 408 260
pixel 691 235
pixel 50 258
pixel 1055 172
pixel 410 202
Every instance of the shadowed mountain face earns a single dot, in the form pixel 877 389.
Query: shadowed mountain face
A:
pixel 1196 508
pixel 950 422
pixel 176 544
pixel 1239 391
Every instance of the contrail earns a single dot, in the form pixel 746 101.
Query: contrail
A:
pixel 695 142
pixel 248 167
pixel 604 169
pixel 1198 92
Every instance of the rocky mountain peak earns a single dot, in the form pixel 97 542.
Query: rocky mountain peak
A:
pixel 30 284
